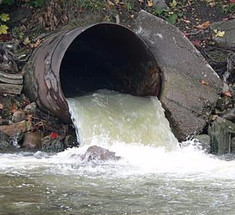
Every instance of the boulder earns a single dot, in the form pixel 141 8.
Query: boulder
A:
pixel 97 153
pixel 221 132
pixel 190 87
pixel 204 142
pixel 227 38
pixel 32 140
pixel 11 129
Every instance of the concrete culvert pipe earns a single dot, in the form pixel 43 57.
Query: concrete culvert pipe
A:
pixel 102 56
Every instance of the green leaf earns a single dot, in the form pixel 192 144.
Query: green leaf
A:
pixel 8 2
pixel 172 18
pixel 158 11
pixel 3 29
pixel 4 17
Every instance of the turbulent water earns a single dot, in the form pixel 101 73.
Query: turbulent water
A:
pixel 153 176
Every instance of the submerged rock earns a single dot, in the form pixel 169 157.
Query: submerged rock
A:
pixel 97 153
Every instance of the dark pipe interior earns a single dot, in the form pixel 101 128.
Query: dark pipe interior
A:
pixel 107 56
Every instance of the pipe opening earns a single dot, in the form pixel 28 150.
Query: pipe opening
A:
pixel 109 56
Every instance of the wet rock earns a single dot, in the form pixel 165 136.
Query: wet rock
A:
pixel 190 86
pixel 228 39
pixel 16 138
pixel 221 132
pixel 53 144
pixel 204 141
pixel 233 144
pixel 32 140
pixel 4 141
pixel 11 129
pixel 97 153
pixel 70 141
pixel 19 116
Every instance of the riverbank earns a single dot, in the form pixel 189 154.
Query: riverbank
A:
pixel 31 21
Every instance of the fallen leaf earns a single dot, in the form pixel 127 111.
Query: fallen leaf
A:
pixel 4 17
pixel 26 41
pixel 150 3
pixel 173 4
pixel 3 29
pixel 54 135
pixel 203 82
pixel 110 3
pixel 227 93
pixel 203 26
pixel 219 33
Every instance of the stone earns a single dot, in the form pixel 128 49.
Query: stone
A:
pixel 190 87
pixel 53 144
pixel 229 115
pixel 70 141
pixel 32 140
pixel 19 116
pixel 160 4
pixel 204 141
pixel 31 108
pixel 97 153
pixel 16 139
pixel 221 132
pixel 11 88
pixel 13 128
pixel 4 141
pixel 228 39
pixel 19 14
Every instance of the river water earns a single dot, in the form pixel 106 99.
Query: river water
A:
pixel 153 176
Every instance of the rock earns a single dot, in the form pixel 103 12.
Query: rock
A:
pixel 229 115
pixel 70 141
pixel 97 153
pixel 160 4
pixel 220 132
pixel 19 14
pixel 53 144
pixel 233 144
pixel 16 138
pixel 19 116
pixel 204 141
pixel 11 129
pixel 32 140
pixel 190 86
pixel 11 88
pixel 4 141
pixel 31 108
pixel 228 39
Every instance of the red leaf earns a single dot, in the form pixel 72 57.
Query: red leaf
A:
pixel 54 135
